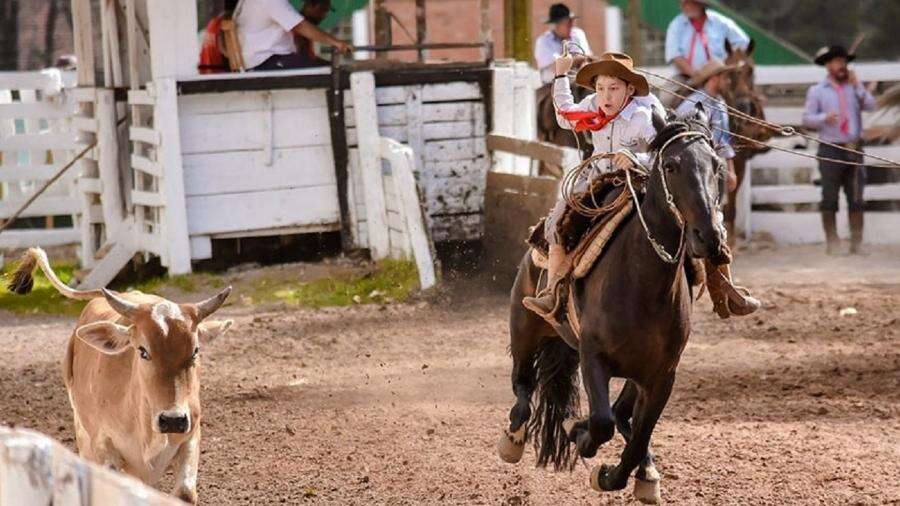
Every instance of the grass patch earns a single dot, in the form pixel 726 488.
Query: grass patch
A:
pixel 390 280
pixel 43 299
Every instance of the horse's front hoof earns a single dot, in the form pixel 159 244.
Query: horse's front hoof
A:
pixel 647 492
pixel 601 481
pixel 572 426
pixel 512 445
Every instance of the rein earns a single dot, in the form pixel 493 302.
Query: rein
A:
pixel 568 193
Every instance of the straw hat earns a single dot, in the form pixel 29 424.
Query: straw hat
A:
pixel 616 65
pixel 712 68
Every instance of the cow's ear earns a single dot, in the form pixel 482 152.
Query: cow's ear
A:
pixel 107 337
pixel 209 331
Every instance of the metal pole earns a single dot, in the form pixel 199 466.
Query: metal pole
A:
pixel 420 27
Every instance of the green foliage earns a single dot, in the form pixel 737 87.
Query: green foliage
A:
pixel 44 299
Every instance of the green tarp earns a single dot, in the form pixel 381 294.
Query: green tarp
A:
pixel 342 9
pixel 770 49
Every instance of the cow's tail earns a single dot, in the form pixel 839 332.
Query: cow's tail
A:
pixel 22 279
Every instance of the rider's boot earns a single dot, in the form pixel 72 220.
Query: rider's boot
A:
pixel 546 302
pixel 728 299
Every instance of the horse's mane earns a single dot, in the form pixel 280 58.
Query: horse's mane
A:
pixel 676 127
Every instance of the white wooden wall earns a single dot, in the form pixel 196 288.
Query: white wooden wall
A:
pixel 257 163
pixel 36 139
pixel 35 469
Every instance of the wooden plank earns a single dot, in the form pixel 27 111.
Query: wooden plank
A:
pixel 783 160
pixel 452 111
pixel 460 149
pixel 83 94
pixel 149 199
pixel 37 110
pixel 44 141
pixel 84 124
pixel 176 235
pixel 543 151
pixel 95 214
pixel 244 101
pixel 144 134
pixel 174 45
pixel 83 33
pixel 806 227
pixel 398 133
pixel 314 228
pixel 463 227
pixel 19 80
pixel 807 74
pixel 788 115
pixel 215 214
pixel 146 165
pixel 143 97
pixel 503 115
pixel 16 173
pixel 201 247
pixel 383 95
pixel 18 238
pixel 362 85
pixel 43 206
pixel 403 161
pixel 450 130
pixel 415 134
pixel 108 160
pixel 241 131
pixel 451 92
pixel 809 194
pixel 90 185
pixel 216 173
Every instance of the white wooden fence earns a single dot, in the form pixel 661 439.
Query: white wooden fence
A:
pixel 36 139
pixel 35 469
pixel 779 198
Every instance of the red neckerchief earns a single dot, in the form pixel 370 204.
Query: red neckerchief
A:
pixel 211 59
pixel 698 34
pixel 842 99
pixel 590 120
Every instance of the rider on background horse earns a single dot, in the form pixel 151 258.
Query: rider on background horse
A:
pixel 713 78
pixel 698 35
pixel 617 122
pixel 550 45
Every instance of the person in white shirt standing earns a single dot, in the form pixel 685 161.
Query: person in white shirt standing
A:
pixel 266 30
pixel 549 46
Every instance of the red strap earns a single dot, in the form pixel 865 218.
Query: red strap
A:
pixel 845 115
pixel 698 34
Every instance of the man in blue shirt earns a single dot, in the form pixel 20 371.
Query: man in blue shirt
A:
pixel 698 35
pixel 834 107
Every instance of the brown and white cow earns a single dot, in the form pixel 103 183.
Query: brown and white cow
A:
pixel 132 370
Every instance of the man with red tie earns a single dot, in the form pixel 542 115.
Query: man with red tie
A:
pixel 834 107
pixel 698 35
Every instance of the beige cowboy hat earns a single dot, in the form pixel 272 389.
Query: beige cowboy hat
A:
pixel 616 65
pixel 712 68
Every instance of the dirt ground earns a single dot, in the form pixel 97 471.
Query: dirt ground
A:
pixel 403 404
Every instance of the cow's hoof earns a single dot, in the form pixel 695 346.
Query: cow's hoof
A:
pixel 512 445
pixel 647 492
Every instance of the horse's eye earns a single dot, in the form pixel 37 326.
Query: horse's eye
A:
pixel 670 167
pixel 196 352
pixel 143 353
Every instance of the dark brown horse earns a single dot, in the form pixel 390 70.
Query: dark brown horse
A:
pixel 744 97
pixel 635 315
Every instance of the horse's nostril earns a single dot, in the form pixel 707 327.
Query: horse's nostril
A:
pixel 699 235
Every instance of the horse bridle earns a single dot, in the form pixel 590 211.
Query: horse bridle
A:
pixel 670 200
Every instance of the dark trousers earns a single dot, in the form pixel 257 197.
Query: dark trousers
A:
pixel 290 61
pixel 837 175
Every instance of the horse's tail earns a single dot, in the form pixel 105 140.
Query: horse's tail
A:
pixel 557 400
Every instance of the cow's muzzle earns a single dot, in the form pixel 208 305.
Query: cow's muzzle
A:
pixel 173 423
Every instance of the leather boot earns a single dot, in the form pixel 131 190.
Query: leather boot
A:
pixel 832 241
pixel 728 299
pixel 856 233
pixel 546 302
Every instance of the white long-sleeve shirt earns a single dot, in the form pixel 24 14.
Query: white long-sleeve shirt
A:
pixel 548 47
pixel 632 129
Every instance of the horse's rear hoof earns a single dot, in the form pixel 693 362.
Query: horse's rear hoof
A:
pixel 647 492
pixel 596 472
pixel 512 445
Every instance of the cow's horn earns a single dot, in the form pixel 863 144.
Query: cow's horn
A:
pixel 119 305
pixel 212 304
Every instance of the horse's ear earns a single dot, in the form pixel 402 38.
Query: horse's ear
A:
pixel 728 48
pixel 700 113
pixel 751 46
pixel 659 122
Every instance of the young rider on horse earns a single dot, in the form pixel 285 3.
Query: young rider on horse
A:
pixel 616 122
pixel 619 119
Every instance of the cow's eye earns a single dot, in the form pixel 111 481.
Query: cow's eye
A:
pixel 143 353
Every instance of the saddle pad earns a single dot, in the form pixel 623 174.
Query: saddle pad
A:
pixel 591 246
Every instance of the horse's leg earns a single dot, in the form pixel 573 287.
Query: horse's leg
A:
pixel 526 331
pixel 730 210
pixel 648 407
pixel 646 483
pixel 600 427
